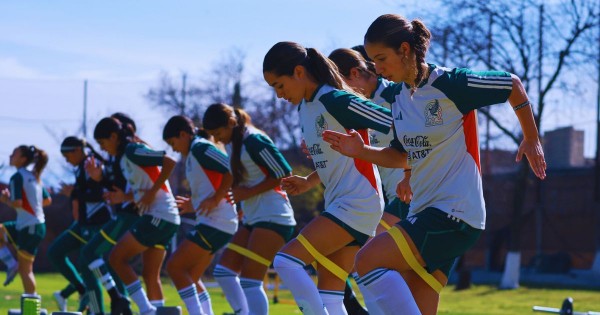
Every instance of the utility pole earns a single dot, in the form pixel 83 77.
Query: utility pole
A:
pixel 84 124
pixel 183 92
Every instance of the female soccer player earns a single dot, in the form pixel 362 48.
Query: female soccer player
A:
pixel 207 172
pixel 257 167
pixel 151 192
pixel 125 215
pixel 360 75
pixel 436 136
pixel 28 197
pixel 90 212
pixel 353 197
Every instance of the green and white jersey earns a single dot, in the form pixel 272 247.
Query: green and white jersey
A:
pixel 205 166
pixel 261 158
pixel 141 168
pixel 437 126
pixel 384 97
pixel 25 187
pixel 352 186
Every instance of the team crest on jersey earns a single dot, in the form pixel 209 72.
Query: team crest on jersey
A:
pixel 320 125
pixel 433 114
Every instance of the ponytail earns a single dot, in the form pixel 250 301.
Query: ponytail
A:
pixel 237 137
pixel 219 115
pixel 421 36
pixel 40 159
pixel 202 133
pixel 34 155
pixel 94 153
pixel 324 70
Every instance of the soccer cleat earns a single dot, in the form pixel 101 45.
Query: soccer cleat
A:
pixel 61 302
pixel 11 273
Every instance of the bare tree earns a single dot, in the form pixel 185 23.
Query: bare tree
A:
pixel 540 43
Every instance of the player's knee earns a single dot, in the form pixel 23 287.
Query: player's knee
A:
pixel 361 262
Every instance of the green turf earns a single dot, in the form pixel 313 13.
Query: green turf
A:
pixel 478 300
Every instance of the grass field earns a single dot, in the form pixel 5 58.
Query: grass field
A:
pixel 478 300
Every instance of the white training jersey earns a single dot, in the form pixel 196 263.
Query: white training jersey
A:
pixel 24 186
pixel 352 186
pixel 390 177
pixel 261 158
pixel 437 127
pixel 205 166
pixel 141 168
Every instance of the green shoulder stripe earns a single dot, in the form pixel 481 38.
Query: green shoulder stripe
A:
pixel 142 155
pixel 354 112
pixel 264 153
pixel 390 92
pixel 471 90
pixel 210 157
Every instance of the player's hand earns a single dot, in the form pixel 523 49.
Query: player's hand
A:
pixel 207 205
pixel 146 201
pixel 5 195
pixel 350 144
pixel 295 185
pixel 93 169
pixel 535 155
pixel 184 204
pixel 403 190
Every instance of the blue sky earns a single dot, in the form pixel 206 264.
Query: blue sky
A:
pixel 48 48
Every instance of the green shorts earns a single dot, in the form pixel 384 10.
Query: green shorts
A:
pixel 439 237
pixel 397 208
pixel 286 231
pixel 115 228
pixel 359 238
pixel 153 232
pixel 27 239
pixel 208 237
pixel 83 233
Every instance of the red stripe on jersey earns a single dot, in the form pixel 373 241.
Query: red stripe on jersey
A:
pixel 471 136
pixel 153 172
pixel 364 167
pixel 214 177
pixel 25 202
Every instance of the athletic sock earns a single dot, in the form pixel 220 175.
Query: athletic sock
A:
pixel 390 292
pixel 258 302
pixel 190 299
pixel 7 258
pixel 205 303
pixel 292 273
pixel 138 295
pixel 370 302
pixel 334 302
pixel 230 284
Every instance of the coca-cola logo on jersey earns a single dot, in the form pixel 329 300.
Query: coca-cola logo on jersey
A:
pixel 417 142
